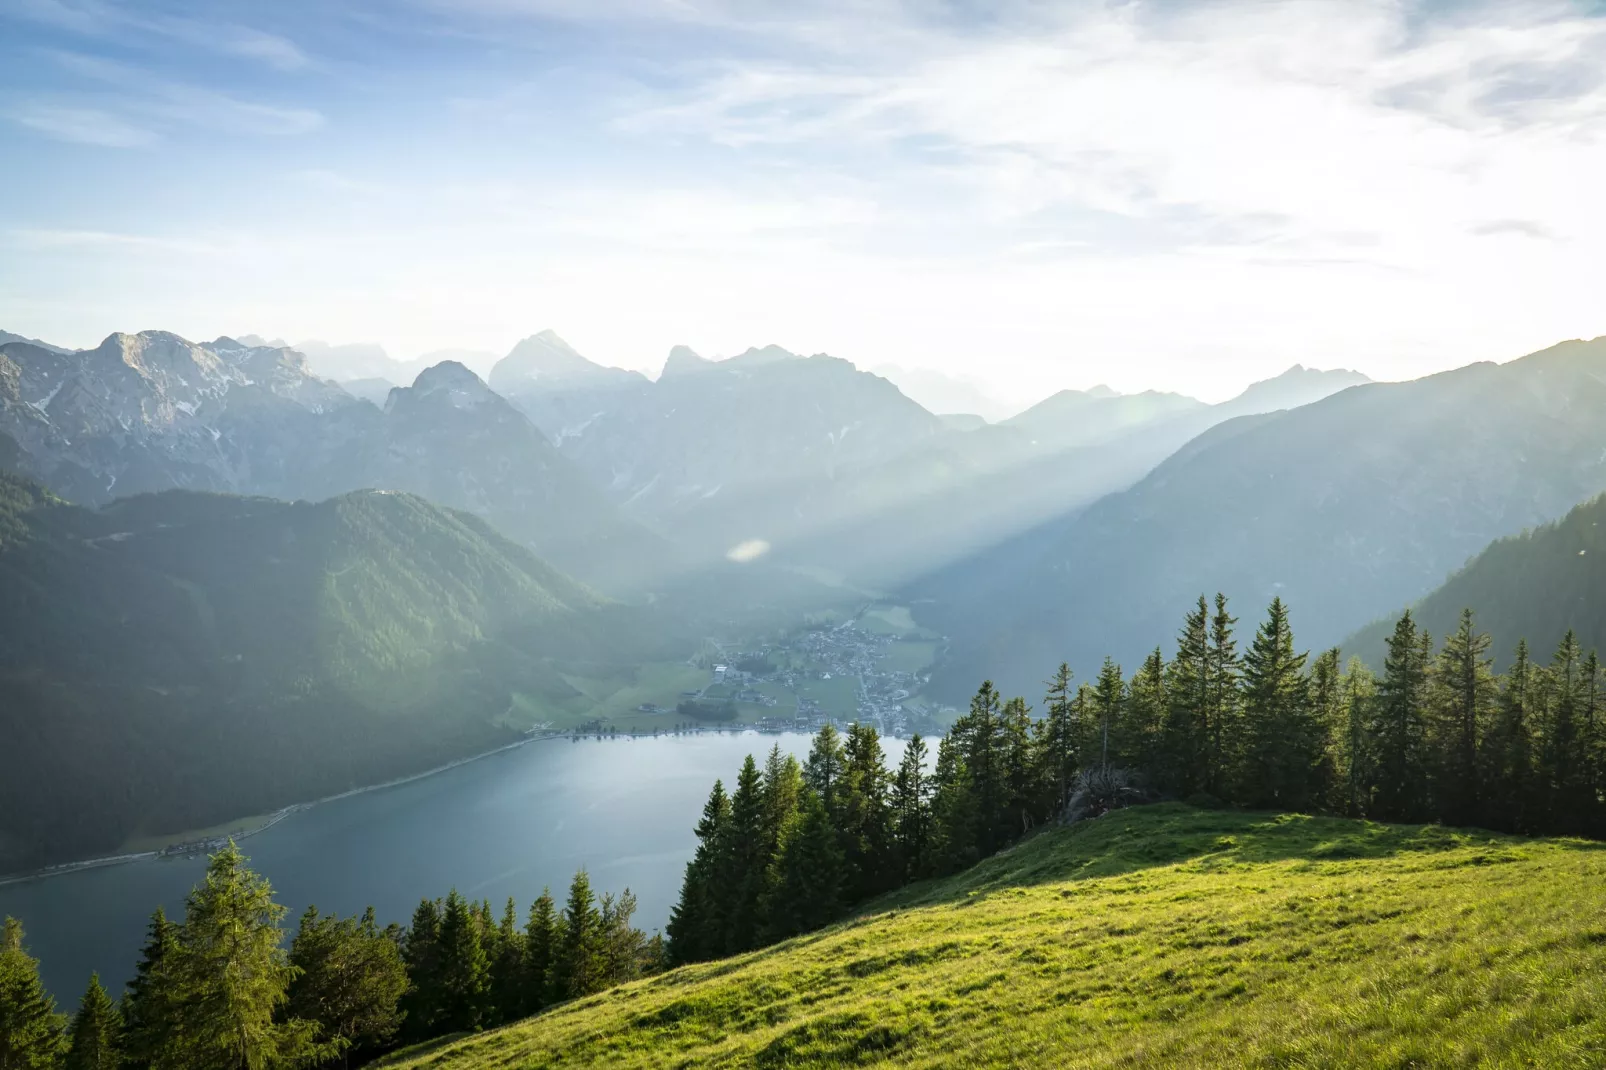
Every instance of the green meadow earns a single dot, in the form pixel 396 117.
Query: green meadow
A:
pixel 1158 936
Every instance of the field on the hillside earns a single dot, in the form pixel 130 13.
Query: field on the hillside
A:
pixel 1160 936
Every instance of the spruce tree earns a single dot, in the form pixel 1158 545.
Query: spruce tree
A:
pixel 146 1015
pixel 578 966
pixel 1109 706
pixel 1326 689
pixel 464 972
pixel 95 1036
pixel 823 769
pixel 743 861
pixel 805 886
pixel 422 1005
pixel 622 948
pixel 782 790
pixel 953 811
pixel 1563 757
pixel 911 810
pixel 542 936
pixel 227 975
pixel 507 968
pixel 1138 733
pixel 1282 745
pixel 1058 736
pixel 863 817
pixel 30 1029
pixel 1184 739
pixel 1221 721
pixel 1398 732
pixel 1023 789
pixel 1465 691
pixel 1360 693
pixel 1510 748
pixel 979 737
pixel 695 930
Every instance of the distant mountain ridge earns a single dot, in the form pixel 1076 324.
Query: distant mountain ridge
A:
pixel 153 411
pixel 1345 507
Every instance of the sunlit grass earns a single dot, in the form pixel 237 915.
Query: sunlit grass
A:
pixel 1161 936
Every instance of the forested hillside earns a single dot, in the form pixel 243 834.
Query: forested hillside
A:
pixel 1347 507
pixel 174 660
pixel 1537 586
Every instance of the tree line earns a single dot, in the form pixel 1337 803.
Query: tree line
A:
pixel 1438 736
pixel 220 988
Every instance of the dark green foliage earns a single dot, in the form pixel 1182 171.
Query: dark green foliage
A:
pixel 911 811
pixel 739 883
pixel 464 973
pixel 806 876
pixel 144 1004
pixel 580 969
pixel 350 978
pixel 175 660
pixel 95 1037
pixel 694 923
pixel 543 933
pixel 421 953
pixel 1399 727
pixel 1281 763
pixel 30 1029
pixel 507 966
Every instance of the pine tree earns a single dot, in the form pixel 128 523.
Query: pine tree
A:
pixel 1398 733
pixel 696 929
pixel 349 979
pixel 507 967
pixel 1138 733
pixel 144 1010
pixel 464 972
pixel 911 810
pixel 1465 693
pixel 1282 744
pixel 1058 736
pixel 979 738
pixel 863 818
pixel 743 861
pixel 805 885
pixel 578 966
pixel 422 1005
pixel 542 937
pixel 30 1029
pixel 823 769
pixel 1186 734
pixel 95 1036
pixel 227 975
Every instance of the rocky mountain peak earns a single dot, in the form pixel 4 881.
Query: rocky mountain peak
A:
pixel 684 360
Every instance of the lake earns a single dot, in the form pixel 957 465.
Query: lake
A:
pixel 507 824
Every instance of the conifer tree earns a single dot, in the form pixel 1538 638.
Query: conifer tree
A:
pixel 1325 687
pixel 464 976
pixel 1282 745
pixel 1465 693
pixel 1360 692
pixel 805 883
pixel 863 819
pixel 979 738
pixel 30 1029
pixel 349 979
pixel 144 1011
pixel 1222 710
pixel 578 967
pixel 1563 761
pixel 782 789
pixel 1398 731
pixel 1109 706
pixel 911 810
pixel 422 1005
pixel 953 810
pixel 823 769
pixel 743 861
pixel 227 975
pixel 696 929
pixel 1023 789
pixel 1138 734
pixel 95 1036
pixel 1058 738
pixel 1186 734
pixel 1510 747
pixel 542 937
pixel 622 947
pixel 507 966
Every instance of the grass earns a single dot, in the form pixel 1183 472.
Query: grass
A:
pixel 838 696
pixel 237 827
pixel 614 698
pixel 909 655
pixel 893 620
pixel 1156 937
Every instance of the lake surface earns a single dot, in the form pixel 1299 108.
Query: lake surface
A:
pixel 508 824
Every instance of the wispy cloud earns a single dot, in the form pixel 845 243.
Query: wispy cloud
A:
pixel 83 126
pixel 97 18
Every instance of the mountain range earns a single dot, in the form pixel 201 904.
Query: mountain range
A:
pixel 1347 508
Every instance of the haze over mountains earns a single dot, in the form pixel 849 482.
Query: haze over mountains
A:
pixel 1347 508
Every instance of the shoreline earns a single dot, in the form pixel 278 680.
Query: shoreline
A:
pixel 184 848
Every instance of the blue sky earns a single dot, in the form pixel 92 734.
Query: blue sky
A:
pixel 1033 194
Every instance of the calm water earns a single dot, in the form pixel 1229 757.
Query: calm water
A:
pixel 505 825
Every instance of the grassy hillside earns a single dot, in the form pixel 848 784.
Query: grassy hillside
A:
pixel 1159 936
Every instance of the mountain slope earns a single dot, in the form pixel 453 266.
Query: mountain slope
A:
pixel 560 390
pixel 175 660
pixel 1088 417
pixel 1160 936
pixel 1534 586
pixel 1345 507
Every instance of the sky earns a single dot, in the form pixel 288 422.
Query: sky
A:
pixel 1031 194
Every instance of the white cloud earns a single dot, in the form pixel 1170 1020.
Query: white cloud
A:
pixel 83 126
